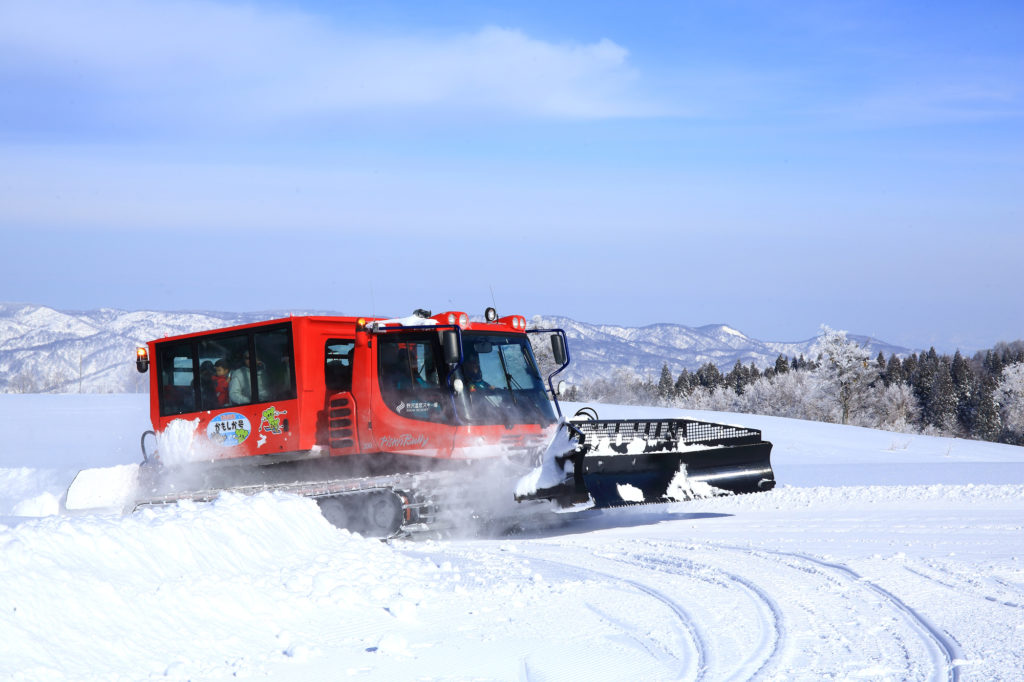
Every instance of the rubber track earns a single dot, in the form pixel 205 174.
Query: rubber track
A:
pixel 419 506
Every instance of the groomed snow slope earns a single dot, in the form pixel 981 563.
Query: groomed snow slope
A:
pixel 880 556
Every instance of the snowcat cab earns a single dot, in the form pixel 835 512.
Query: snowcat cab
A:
pixel 352 388
pixel 372 416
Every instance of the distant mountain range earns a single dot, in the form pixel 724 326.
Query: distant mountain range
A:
pixel 598 350
pixel 48 350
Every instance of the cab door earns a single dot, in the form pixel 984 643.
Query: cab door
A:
pixel 412 412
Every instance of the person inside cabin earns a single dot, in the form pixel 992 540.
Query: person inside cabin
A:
pixel 471 371
pixel 398 370
pixel 239 384
pixel 221 373
pixel 206 382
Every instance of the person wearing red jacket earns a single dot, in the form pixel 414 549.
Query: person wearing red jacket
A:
pixel 220 382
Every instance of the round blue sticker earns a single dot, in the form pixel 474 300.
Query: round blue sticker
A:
pixel 228 429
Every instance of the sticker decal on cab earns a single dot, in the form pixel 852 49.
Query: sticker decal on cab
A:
pixel 228 429
pixel 270 421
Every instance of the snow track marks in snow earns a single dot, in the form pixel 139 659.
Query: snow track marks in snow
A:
pixel 741 613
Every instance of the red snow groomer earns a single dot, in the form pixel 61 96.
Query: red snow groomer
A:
pixel 388 423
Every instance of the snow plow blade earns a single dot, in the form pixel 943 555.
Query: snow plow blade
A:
pixel 622 462
pixel 106 488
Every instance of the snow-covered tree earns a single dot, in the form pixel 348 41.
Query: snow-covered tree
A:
pixel 543 354
pixel 719 399
pixel 22 382
pixel 1009 397
pixel 845 369
pixel 896 408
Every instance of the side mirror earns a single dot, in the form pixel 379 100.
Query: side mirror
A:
pixel 451 347
pixel 558 348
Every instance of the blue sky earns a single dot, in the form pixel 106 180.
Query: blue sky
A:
pixel 773 166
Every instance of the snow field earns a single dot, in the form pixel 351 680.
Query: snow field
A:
pixel 877 572
pixel 265 586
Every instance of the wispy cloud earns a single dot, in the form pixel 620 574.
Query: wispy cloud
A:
pixel 232 64
pixel 953 100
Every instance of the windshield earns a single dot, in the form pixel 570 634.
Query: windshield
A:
pixel 502 384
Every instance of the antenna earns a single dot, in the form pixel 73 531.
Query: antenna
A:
pixel 373 304
pixel 493 302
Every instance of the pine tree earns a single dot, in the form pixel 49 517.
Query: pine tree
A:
pixel 987 424
pixel 910 369
pixel 940 411
pixel 963 380
pixel 737 378
pixel 708 376
pixel 781 364
pixel 922 379
pixel 684 384
pixel 894 373
pixel 666 387
pixel 993 364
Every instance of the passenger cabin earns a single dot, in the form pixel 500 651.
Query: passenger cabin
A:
pixel 310 386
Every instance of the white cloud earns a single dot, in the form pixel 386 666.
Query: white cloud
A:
pixel 923 103
pixel 210 62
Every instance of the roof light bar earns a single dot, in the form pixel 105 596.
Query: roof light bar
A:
pixel 517 322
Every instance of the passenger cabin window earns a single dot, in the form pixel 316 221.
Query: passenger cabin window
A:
pixel 226 370
pixel 338 365
pixel 177 390
pixel 221 371
pixel 408 376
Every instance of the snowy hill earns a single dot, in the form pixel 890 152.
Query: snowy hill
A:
pixel 47 350
pixel 879 556
pixel 598 350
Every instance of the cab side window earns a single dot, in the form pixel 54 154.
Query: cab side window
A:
pixel 275 377
pixel 409 378
pixel 177 381
pixel 338 365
